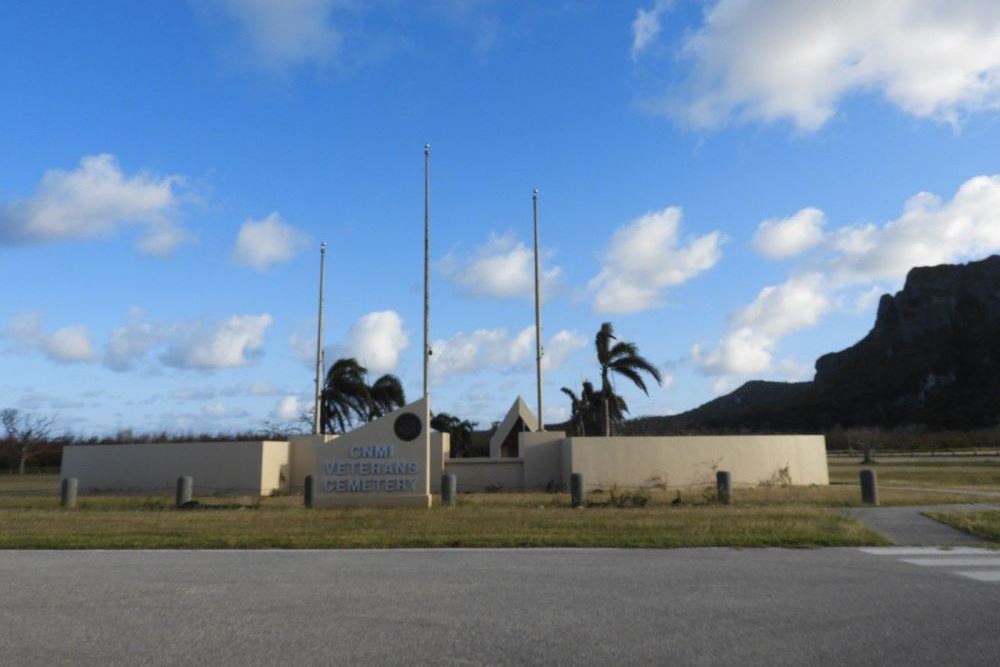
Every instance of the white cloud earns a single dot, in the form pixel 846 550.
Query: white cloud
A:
pixel 220 411
pixel 208 345
pixel 96 199
pixel 646 26
pixel 753 332
pixel 645 257
pixel 131 342
pixel 289 408
pixel 497 349
pixel 859 262
pixel 929 231
pixel 559 347
pixel 501 267
pixel 287 32
pixel 769 60
pixel 787 237
pixel 261 243
pixel 68 345
pixel 377 339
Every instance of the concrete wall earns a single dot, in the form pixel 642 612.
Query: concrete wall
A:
pixel 476 474
pixel 440 447
pixel 217 467
pixel 542 455
pixel 302 457
pixel 693 460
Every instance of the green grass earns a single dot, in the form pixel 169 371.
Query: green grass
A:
pixel 981 524
pixel 30 517
pixel 971 475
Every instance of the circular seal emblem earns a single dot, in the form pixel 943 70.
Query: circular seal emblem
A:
pixel 407 426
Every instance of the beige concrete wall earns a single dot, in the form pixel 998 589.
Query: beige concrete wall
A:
pixel 542 455
pixel 346 475
pixel 693 460
pixel 302 457
pixel 440 448
pixel 477 474
pixel 274 468
pixel 217 467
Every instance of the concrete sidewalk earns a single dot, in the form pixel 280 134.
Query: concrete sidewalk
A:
pixel 906 525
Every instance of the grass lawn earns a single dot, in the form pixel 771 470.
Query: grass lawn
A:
pixel 30 517
pixel 981 524
pixel 973 475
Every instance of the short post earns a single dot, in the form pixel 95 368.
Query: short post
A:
pixel 309 491
pixel 577 491
pixel 67 492
pixel 449 489
pixel 869 487
pixel 185 490
pixel 724 487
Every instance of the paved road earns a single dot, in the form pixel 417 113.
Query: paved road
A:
pixel 907 525
pixel 462 607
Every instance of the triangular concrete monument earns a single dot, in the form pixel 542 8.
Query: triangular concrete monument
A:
pixel 386 462
pixel 519 418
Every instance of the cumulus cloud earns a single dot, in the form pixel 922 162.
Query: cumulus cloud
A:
pixel 288 408
pixel 377 339
pixel 929 231
pixel 559 347
pixel 131 342
pixel 68 345
pixel 97 199
pixel 646 26
pixel 290 32
pixel 857 264
pixel 498 349
pixel 501 267
pixel 261 243
pixel 782 238
pixel 768 60
pixel 646 256
pixel 754 331
pixel 209 345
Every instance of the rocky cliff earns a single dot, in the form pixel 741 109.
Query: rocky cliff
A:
pixel 933 358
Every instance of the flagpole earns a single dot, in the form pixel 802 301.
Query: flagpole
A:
pixel 427 260
pixel 317 419
pixel 538 315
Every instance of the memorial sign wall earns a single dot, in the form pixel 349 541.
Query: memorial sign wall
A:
pixel 386 462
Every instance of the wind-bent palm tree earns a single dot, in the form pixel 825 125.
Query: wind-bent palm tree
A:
pixel 621 358
pixel 460 430
pixel 385 394
pixel 584 408
pixel 345 396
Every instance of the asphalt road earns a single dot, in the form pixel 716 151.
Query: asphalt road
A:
pixel 461 607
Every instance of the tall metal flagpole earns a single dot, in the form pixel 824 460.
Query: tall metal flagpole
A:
pixel 538 315
pixel 317 420
pixel 427 253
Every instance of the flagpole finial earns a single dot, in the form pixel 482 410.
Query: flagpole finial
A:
pixel 427 148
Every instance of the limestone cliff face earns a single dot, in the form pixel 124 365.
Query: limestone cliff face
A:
pixel 933 357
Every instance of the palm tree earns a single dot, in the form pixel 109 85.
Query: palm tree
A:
pixel 621 358
pixel 345 396
pixel 385 394
pixel 460 430
pixel 585 408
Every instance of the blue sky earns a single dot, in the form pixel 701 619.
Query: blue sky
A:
pixel 732 184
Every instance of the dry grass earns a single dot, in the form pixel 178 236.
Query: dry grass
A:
pixel 981 524
pixel 972 475
pixel 30 518
pixel 764 516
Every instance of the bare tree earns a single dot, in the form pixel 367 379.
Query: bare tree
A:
pixel 25 434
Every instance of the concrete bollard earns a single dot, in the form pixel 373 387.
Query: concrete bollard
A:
pixel 869 487
pixel 67 492
pixel 309 491
pixel 724 487
pixel 185 490
pixel 577 490
pixel 449 489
